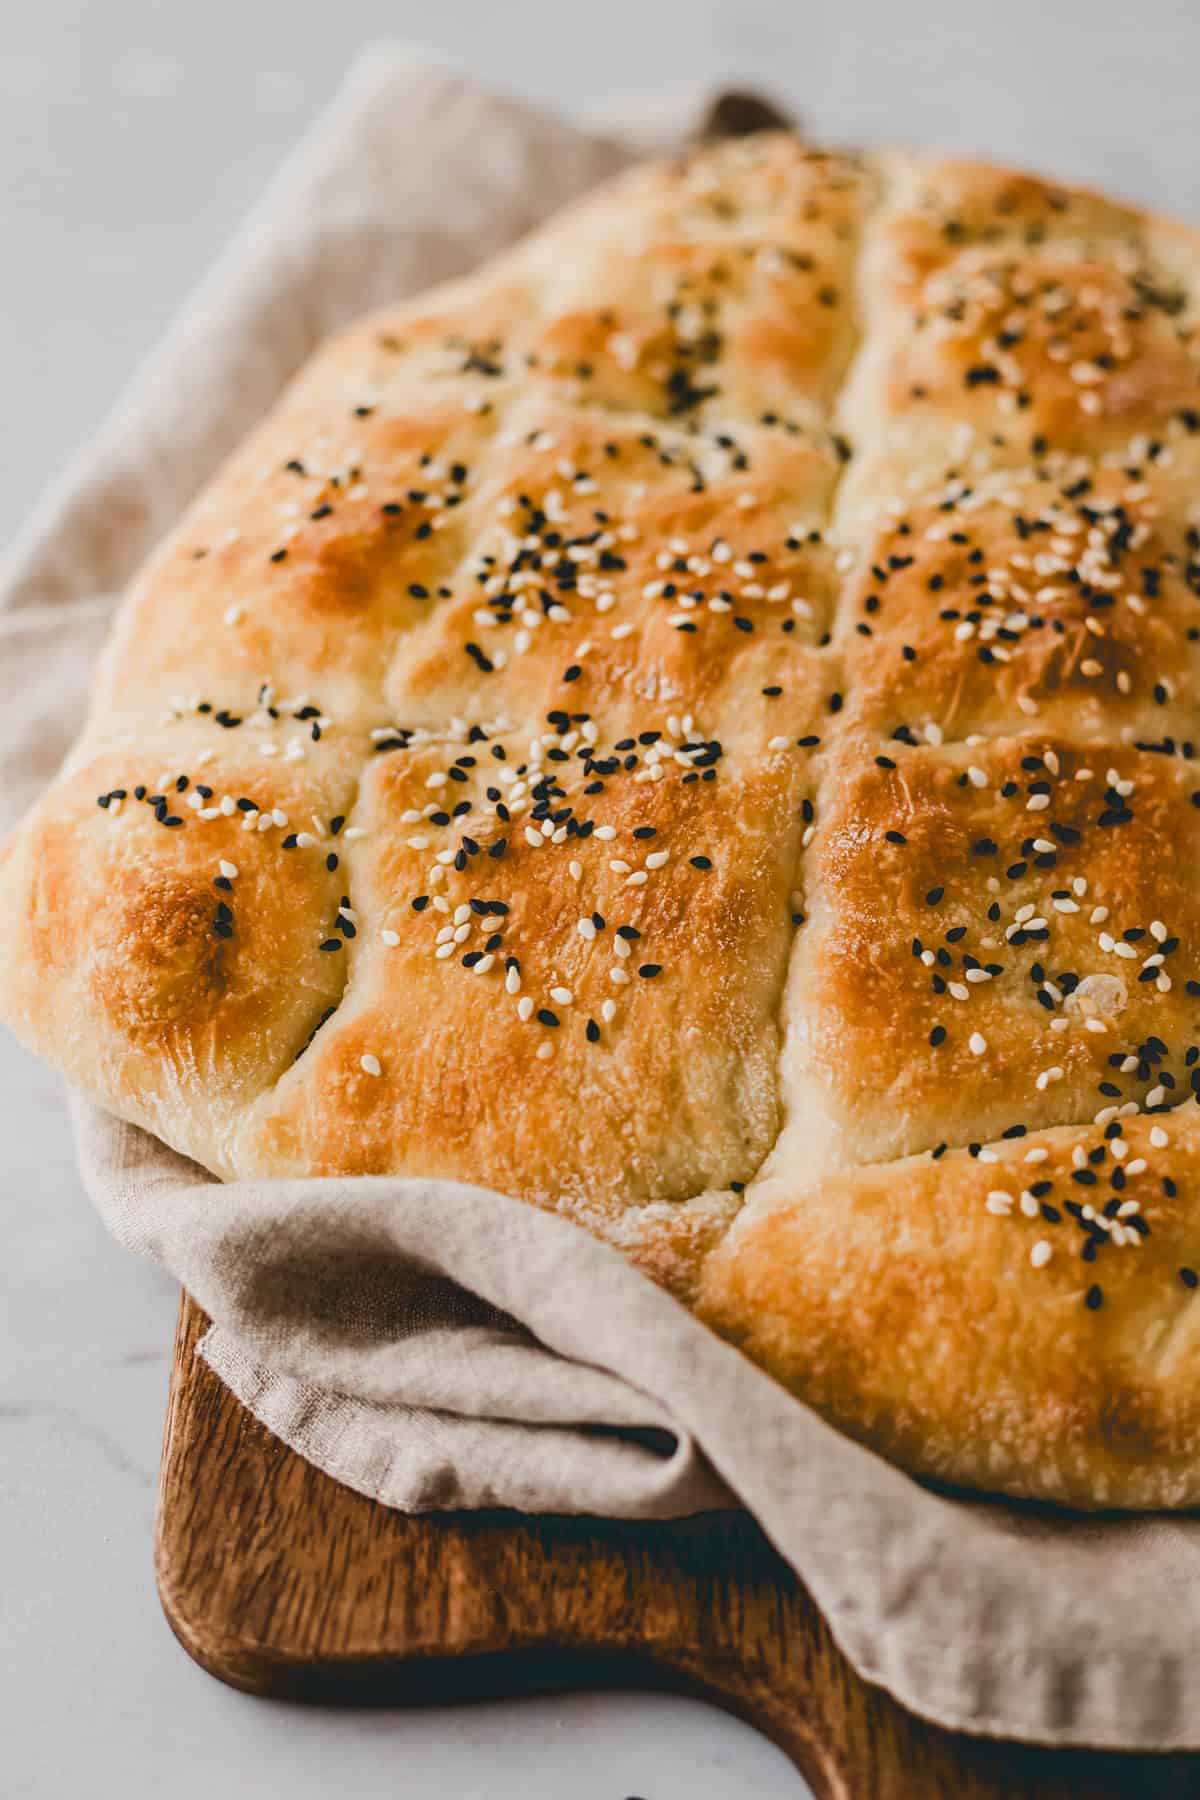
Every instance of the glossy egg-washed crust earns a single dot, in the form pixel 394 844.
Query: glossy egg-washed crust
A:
pixel 693 726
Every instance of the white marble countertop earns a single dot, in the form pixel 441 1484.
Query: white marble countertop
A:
pixel 132 137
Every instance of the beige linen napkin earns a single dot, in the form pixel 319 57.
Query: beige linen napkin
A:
pixel 435 1345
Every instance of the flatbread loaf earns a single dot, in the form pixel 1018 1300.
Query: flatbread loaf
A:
pixel 694 726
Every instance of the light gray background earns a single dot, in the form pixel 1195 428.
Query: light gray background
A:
pixel 133 135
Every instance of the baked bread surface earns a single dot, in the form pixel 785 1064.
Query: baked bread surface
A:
pixel 694 726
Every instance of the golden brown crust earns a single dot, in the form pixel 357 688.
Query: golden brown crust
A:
pixel 996 930
pixel 700 716
pixel 1017 601
pixel 172 960
pixel 942 1310
pixel 649 1078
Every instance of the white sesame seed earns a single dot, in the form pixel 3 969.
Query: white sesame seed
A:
pixel 390 938
pixel 525 1007
pixel 1041 1253
pixel 562 995
pixel 999 1202
pixel 229 870
pixel 585 928
pixel 976 1043
pixel 618 975
pixel 1159 1138
pixel 370 1065
pixel 657 858
pixel 545 1050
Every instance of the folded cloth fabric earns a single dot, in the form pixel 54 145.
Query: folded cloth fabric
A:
pixel 436 1345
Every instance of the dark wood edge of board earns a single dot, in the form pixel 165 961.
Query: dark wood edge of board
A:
pixel 281 1582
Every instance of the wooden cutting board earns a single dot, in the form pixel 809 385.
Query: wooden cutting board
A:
pixel 278 1580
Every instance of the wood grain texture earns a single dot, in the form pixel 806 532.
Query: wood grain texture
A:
pixel 280 1581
